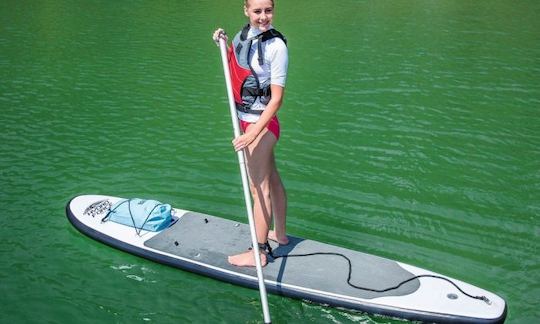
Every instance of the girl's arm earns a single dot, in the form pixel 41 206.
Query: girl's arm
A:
pixel 270 111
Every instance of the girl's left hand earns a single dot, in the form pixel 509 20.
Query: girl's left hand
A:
pixel 243 141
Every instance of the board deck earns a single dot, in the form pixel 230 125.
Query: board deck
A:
pixel 200 243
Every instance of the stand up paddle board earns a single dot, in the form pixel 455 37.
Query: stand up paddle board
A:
pixel 303 269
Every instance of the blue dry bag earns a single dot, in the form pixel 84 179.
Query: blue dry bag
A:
pixel 149 215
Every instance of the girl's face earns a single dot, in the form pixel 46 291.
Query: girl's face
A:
pixel 260 13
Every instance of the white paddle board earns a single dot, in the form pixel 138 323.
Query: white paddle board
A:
pixel 319 272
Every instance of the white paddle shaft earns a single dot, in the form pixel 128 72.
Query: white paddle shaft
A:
pixel 245 184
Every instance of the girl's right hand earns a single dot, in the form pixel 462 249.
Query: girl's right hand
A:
pixel 219 33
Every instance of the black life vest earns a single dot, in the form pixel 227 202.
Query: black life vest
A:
pixel 245 84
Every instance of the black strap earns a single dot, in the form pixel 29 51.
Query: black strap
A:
pixel 262 37
pixel 257 92
pixel 260 52
pixel 272 33
pixel 269 34
pixel 266 248
pixel 244 33
pixel 247 110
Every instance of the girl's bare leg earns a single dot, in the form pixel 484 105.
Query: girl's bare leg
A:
pixel 279 207
pixel 260 165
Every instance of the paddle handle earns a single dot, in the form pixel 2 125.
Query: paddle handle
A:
pixel 245 183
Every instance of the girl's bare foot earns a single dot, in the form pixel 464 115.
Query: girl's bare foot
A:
pixel 281 240
pixel 247 259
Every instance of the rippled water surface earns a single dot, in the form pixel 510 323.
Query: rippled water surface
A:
pixel 411 130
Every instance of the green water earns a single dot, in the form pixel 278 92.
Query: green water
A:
pixel 411 130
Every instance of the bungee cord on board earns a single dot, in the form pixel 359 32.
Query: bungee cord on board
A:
pixel 266 248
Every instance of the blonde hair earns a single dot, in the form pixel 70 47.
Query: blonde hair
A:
pixel 246 2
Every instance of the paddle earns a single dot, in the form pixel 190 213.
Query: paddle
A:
pixel 245 184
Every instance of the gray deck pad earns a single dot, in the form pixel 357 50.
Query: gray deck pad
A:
pixel 210 240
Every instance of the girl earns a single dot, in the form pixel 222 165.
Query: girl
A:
pixel 259 95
